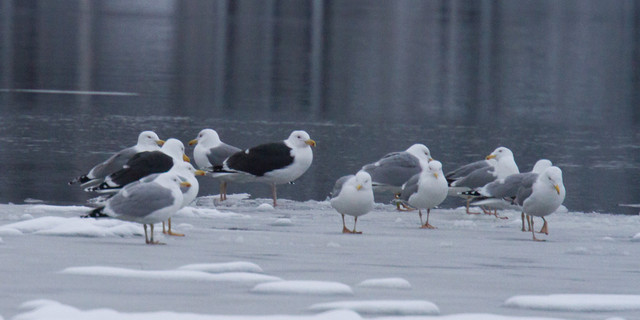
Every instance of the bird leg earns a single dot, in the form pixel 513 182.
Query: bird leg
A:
pixel 427 225
pixel 150 241
pixel 468 212
pixel 401 204
pixel 274 194
pixel 146 237
pixel 223 190
pixel 168 231
pixel 533 233
pixel 544 228
pixel 344 226
pixel 355 220
pixel 522 217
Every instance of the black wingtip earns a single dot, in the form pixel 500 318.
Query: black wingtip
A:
pixel 95 213
pixel 472 193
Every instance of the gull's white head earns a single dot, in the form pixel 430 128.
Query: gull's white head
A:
pixel 362 180
pixel 435 168
pixel 207 137
pixel 185 168
pixel 420 151
pixel 175 149
pixel 552 177
pixel 541 165
pixel 172 180
pixel 149 139
pixel 500 153
pixel 300 139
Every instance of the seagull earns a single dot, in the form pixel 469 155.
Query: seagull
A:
pixel 186 172
pixel 143 164
pixel 394 169
pixel 507 189
pixel 426 190
pixel 543 198
pixel 147 141
pixel 353 195
pixel 209 152
pixel 147 201
pixel 502 166
pixel 273 163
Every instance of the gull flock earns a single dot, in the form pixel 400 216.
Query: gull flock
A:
pixel 149 182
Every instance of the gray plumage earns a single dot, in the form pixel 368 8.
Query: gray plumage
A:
pixel 508 188
pixel 466 170
pixel 394 169
pixel 137 200
pixel 477 178
pixel 338 185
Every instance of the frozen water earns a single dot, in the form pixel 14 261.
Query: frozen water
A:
pixel 577 302
pixel 304 287
pixel 468 267
pixel 381 307
pixel 386 283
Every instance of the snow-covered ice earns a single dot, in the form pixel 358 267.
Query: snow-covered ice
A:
pixel 386 283
pixel 577 302
pixel 303 287
pixel 238 261
pixel 178 274
pixel 381 307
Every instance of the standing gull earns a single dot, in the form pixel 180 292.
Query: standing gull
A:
pixel 352 195
pixel 394 169
pixel 147 141
pixel 426 190
pixel 503 167
pixel 543 198
pixel 186 172
pixel 273 163
pixel 147 202
pixel 144 164
pixel 505 190
pixel 209 152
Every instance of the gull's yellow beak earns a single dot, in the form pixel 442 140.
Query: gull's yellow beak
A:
pixel 185 184
pixel 435 174
pixel 358 187
pixel 430 159
pixel 200 173
pixel 491 156
pixel 557 188
pixel 192 142
pixel 185 158
pixel 160 142
pixel 310 142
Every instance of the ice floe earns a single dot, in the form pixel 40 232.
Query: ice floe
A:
pixel 381 307
pixel 303 287
pixel 576 302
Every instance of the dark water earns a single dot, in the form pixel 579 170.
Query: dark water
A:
pixel 548 79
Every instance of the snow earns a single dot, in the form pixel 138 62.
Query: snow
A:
pixel 386 283
pixel 303 287
pixel 577 302
pixel 382 307
pixel 244 277
pixel 238 261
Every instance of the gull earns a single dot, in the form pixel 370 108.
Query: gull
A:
pixel 147 141
pixel 273 163
pixel 209 152
pixel 353 195
pixel 425 190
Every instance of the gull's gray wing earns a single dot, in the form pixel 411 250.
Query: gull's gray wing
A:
pixel 465 170
pixel 113 164
pixel 394 169
pixel 410 187
pixel 509 187
pixel 523 193
pixel 337 187
pixel 476 179
pixel 217 155
pixel 139 200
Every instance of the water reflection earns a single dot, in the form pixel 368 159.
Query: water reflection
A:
pixel 546 78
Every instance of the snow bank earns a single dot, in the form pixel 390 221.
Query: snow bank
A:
pixel 304 287
pixel 386 283
pixel 209 213
pixel 49 209
pixel 382 307
pixel 239 266
pixel 243 277
pixel 73 227
pixel 52 310
pixel 577 302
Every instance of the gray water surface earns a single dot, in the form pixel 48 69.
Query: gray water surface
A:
pixel 548 79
